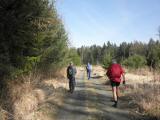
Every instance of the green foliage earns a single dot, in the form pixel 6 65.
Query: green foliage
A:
pixel 153 54
pixel 54 49
pixel 32 36
pixel 74 57
pixel 139 53
pixel 96 54
pixel 135 61
pixel 31 63
pixel 107 61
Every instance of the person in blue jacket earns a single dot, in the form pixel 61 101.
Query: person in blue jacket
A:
pixel 89 69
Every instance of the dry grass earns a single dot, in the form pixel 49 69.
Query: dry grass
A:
pixel 3 114
pixel 143 86
pixel 60 74
pixel 147 96
pixel 98 71
pixel 24 99
pixel 59 80
pixel 55 83
pixel 25 108
pixel 141 71
pixel 27 94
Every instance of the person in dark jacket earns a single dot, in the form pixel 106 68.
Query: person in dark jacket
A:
pixel 114 73
pixel 71 72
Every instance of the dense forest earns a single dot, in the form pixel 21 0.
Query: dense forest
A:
pixel 135 54
pixel 32 38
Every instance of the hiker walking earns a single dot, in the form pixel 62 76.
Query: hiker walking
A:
pixel 114 73
pixel 71 72
pixel 89 69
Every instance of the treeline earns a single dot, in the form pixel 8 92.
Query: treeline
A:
pixel 135 54
pixel 32 37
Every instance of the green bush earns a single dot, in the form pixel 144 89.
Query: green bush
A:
pixel 135 61
pixel 107 59
pixel 74 57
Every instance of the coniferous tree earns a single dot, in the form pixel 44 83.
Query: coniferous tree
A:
pixel 32 35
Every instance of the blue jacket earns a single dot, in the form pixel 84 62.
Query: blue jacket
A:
pixel 89 67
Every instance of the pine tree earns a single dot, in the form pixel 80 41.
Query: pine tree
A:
pixel 32 35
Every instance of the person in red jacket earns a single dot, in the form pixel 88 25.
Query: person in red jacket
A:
pixel 114 73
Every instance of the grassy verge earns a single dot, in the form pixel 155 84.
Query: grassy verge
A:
pixel 25 98
pixel 146 96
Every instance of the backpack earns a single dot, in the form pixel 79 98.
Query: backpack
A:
pixel 70 71
pixel 116 71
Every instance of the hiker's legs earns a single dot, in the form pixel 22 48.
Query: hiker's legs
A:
pixel 70 85
pixel 117 92
pixel 115 97
pixel 73 84
pixel 113 84
pixel 112 95
pixel 89 74
pixel 114 89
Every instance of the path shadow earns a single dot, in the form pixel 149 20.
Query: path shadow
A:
pixel 96 77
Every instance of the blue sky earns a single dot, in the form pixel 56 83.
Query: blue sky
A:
pixel 91 22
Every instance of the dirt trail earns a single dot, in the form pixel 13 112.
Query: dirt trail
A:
pixel 91 101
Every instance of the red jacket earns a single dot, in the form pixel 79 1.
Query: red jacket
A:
pixel 114 72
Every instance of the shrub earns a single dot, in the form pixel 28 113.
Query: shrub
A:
pixel 107 61
pixel 74 57
pixel 135 61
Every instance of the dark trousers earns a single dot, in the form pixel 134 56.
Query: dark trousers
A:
pixel 89 74
pixel 72 84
